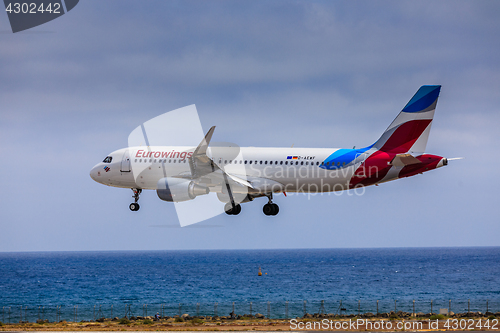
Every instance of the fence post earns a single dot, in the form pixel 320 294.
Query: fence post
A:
pixel 43 312
pixel 215 309
pixel 377 307
pixel 233 307
pixel 268 310
pixel 305 308
pixel 340 307
pixel 414 314
pixel 322 309
pixel 286 310
pixel 487 309
pixel 449 307
pixel 431 307
pixel 395 306
pixel 9 314
pixel 468 307
pixel 198 309
pixel 359 306
pixel 250 308
pixel 180 310
pixel 111 311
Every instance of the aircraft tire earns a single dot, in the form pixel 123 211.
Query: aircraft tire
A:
pixel 236 210
pixel 276 209
pixel 268 209
pixel 134 207
pixel 228 208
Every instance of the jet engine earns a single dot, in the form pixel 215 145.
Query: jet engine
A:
pixel 178 189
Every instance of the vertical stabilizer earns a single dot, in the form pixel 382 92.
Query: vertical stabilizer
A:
pixel 410 130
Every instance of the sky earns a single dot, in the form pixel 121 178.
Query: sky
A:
pixel 329 74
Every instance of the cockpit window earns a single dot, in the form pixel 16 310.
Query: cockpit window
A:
pixel 108 159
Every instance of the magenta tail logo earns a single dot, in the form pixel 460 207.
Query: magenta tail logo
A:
pixel 25 15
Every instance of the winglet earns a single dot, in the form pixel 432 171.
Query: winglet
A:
pixel 202 147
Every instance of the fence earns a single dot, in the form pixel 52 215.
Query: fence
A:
pixel 275 310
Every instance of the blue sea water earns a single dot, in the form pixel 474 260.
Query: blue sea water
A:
pixel 163 279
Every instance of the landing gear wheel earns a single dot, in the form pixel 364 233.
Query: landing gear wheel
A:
pixel 271 209
pixel 228 208
pixel 276 209
pixel 134 207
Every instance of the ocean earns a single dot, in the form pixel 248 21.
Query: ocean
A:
pixel 88 285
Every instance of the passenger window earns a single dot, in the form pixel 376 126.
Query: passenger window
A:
pixel 246 161
pixel 265 162
pixel 286 162
pixel 281 162
pixel 108 159
pixel 302 163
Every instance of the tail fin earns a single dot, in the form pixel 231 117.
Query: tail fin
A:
pixel 410 130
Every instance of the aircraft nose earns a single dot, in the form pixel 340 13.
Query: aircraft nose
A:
pixel 95 173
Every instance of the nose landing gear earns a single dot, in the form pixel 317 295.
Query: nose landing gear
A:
pixel 271 209
pixel 135 206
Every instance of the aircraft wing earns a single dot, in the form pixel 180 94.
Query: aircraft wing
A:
pixel 206 171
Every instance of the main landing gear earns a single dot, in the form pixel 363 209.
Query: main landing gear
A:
pixel 228 208
pixel 134 206
pixel 270 208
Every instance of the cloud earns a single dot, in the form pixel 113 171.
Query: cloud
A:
pixel 313 74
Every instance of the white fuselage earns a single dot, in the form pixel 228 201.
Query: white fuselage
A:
pixel 297 169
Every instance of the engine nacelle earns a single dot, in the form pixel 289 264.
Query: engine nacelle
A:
pixel 178 189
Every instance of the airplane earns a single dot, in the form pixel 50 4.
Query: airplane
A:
pixel 240 175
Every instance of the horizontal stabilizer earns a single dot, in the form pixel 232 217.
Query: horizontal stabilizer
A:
pixel 401 160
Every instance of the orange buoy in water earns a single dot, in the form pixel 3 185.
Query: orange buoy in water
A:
pixel 260 272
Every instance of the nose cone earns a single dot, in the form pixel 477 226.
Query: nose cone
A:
pixel 95 173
